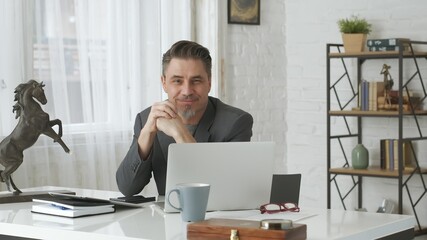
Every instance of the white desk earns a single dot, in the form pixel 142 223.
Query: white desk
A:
pixel 149 222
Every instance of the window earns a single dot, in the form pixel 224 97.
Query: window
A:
pixel 90 55
pixel 100 62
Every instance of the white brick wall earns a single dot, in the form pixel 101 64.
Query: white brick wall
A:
pixel 256 74
pixel 277 71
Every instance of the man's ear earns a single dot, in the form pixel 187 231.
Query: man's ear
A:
pixel 163 80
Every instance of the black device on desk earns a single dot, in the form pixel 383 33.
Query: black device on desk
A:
pixel 134 199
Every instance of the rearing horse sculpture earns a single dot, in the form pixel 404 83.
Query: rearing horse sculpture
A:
pixel 33 121
pixel 388 84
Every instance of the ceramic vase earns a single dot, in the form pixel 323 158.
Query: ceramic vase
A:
pixel 360 157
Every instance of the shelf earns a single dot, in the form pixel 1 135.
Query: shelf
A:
pixel 372 171
pixel 358 113
pixel 387 54
pixel 345 110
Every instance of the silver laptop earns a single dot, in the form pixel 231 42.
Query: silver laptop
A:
pixel 239 173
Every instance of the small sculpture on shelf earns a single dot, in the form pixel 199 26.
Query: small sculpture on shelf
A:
pixel 33 121
pixel 388 85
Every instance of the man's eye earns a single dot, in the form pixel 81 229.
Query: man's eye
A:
pixel 176 81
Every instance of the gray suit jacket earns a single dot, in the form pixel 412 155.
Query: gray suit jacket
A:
pixel 220 123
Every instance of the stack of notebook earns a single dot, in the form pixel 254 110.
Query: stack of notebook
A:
pixel 72 207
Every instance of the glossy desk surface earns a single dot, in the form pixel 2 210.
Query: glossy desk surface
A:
pixel 149 222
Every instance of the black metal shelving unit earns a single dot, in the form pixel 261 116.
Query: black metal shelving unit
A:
pixel 403 176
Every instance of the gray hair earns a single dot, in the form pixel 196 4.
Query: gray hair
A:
pixel 185 49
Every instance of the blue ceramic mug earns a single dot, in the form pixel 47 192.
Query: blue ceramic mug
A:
pixel 193 200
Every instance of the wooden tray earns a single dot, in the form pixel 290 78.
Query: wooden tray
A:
pixel 217 228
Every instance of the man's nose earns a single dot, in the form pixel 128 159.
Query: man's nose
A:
pixel 187 89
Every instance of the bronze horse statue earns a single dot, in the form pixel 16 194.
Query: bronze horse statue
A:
pixel 388 83
pixel 33 121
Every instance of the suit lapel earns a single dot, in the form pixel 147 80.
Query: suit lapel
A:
pixel 202 132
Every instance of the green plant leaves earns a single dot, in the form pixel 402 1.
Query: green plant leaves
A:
pixel 354 25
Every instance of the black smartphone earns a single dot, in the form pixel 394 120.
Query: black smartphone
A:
pixel 134 199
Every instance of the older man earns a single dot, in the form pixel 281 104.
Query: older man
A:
pixel 188 115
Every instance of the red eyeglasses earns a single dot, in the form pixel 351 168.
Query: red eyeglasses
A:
pixel 278 207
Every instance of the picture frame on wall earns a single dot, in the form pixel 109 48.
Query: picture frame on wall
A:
pixel 244 12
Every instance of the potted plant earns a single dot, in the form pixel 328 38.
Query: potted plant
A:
pixel 354 33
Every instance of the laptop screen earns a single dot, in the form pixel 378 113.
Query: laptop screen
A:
pixel 239 173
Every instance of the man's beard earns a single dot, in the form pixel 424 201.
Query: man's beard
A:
pixel 187 113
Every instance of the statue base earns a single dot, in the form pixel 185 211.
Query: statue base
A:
pixel 28 196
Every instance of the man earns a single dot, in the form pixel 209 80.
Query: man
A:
pixel 188 115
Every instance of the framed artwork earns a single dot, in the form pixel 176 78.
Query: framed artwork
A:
pixel 244 12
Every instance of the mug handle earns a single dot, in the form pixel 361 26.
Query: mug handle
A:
pixel 167 199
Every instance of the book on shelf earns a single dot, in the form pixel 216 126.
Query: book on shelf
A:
pixel 364 95
pixel 392 154
pixel 379 91
pixel 384 154
pixel 387 48
pixel 408 100
pixel 389 154
pixel 369 92
pixel 386 42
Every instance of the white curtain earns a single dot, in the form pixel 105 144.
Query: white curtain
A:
pixel 100 61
